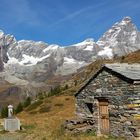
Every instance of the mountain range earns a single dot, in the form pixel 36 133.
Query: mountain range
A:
pixel 31 64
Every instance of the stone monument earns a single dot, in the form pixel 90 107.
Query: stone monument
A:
pixel 11 123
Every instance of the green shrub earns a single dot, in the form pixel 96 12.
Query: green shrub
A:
pixel 34 105
pixel 27 102
pixel 89 133
pixel 28 127
pixel 44 138
pixel 59 104
pixel 67 99
pixel 110 137
pixel 55 91
pixel 41 95
pixel 19 108
pixel 66 87
pixel 33 112
pixel 4 112
pixel 75 82
pixel 45 109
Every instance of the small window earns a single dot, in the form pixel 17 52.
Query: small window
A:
pixel 90 107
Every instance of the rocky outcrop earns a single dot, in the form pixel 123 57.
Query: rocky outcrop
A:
pixel 79 125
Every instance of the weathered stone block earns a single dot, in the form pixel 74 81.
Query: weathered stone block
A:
pixel 11 124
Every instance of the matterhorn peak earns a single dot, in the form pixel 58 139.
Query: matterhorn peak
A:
pixel 126 21
pixel 127 18
pixel 123 38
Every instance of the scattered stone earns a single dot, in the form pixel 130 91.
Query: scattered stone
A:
pixel 79 125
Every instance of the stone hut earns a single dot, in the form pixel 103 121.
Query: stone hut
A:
pixel 111 98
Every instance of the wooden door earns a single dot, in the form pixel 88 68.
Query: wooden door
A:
pixel 104 116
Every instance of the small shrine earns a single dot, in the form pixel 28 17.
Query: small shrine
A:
pixel 11 123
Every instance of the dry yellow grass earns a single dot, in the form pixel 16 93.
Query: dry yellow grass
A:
pixel 47 126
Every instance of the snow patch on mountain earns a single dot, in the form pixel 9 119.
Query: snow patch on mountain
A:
pixel 88 48
pixel 30 60
pixel 106 52
pixel 69 60
pixel 51 47
pixel 12 60
pixel 26 60
pixel 85 42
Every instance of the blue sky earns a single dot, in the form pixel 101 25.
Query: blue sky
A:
pixel 64 22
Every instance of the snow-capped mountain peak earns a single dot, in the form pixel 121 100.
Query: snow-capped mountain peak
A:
pixel 126 20
pixel 51 47
pixel 86 45
pixel 122 38
pixel 89 41
pixel 36 61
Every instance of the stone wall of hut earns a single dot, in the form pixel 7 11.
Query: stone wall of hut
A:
pixel 124 102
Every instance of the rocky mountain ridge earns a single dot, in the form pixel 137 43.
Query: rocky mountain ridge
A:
pixel 31 63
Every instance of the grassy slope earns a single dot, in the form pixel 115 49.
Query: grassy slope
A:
pixel 47 124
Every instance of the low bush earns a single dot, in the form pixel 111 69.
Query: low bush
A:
pixel 59 104
pixel 33 112
pixel 34 105
pixel 89 133
pixel 4 112
pixel 27 102
pixel 45 109
pixel 67 99
pixel 19 108
pixel 28 127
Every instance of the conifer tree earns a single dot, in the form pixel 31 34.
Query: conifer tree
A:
pixel 19 108
pixel 27 102
pixel 4 112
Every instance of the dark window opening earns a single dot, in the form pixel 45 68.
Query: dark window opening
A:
pixel 90 107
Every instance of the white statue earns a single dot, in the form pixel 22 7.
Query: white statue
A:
pixel 10 111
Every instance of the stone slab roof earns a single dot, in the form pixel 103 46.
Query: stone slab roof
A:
pixel 131 71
